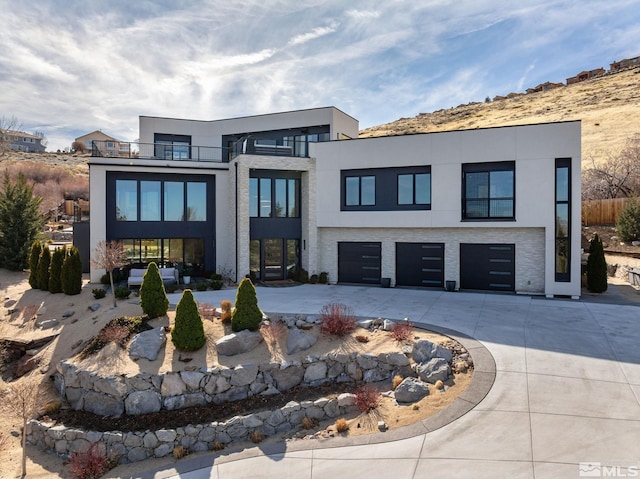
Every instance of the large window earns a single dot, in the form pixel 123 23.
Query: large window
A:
pixel 172 147
pixel 414 189
pixel 274 197
pixel 150 201
pixel 127 200
pixel 563 219
pixel 166 252
pixel 488 191
pixel 360 190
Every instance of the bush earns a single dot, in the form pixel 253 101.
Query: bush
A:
pixel 337 319
pixel 117 277
pixel 217 284
pixel 362 338
pixel 256 437
pixel 170 288
pixel 225 311
pixel 216 277
pixel 122 292
pixel 308 422
pixel 153 298
pixel 118 330
pixel 188 332
pixel 628 224
pixel 341 425
pixel 55 270
pixel 323 278
pixel 246 314
pixel 397 379
pixel 78 147
pixel 98 293
pixel 207 311
pixel 313 279
pixel 303 276
pixel 72 273
pixel 201 286
pixel 401 331
pixel 43 268
pixel 596 267
pixel 34 257
pixel 91 464
pixel 272 332
pixel 367 398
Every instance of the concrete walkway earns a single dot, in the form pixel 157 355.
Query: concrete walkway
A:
pixel 566 392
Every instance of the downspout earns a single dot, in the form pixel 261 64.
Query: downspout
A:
pixel 236 192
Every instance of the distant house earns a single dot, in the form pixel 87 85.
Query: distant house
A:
pixel 624 64
pixel 544 87
pixel 21 141
pixel 108 145
pixel 585 75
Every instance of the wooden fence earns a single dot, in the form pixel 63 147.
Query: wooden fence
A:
pixel 602 212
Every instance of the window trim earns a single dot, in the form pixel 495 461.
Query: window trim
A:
pixel 487 167
pixel 562 277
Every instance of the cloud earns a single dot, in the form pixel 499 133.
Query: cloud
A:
pixel 312 35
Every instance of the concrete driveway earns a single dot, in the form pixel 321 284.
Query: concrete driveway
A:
pixel 565 402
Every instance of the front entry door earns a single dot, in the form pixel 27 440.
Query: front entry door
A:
pixel 273 256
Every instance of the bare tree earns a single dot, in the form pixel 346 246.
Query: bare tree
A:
pixel 21 400
pixel 618 176
pixel 109 255
pixel 43 139
pixel 78 147
pixel 7 125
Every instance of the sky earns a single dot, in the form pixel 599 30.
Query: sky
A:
pixel 69 67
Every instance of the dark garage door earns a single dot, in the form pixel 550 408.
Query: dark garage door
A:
pixel 420 264
pixel 359 262
pixel 489 267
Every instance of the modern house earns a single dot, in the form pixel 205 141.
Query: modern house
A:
pixel 494 209
pixel 107 146
pixel 21 141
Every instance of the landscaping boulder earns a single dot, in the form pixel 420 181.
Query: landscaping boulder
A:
pixel 147 344
pixel 298 340
pixel 424 350
pixel 411 390
pixel 433 370
pixel 237 343
pixel 142 402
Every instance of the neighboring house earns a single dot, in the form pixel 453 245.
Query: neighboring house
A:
pixel 494 209
pixel 106 145
pixel 586 75
pixel 624 64
pixel 21 141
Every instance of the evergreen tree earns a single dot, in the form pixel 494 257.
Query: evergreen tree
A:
pixel 246 314
pixel 153 298
pixel 72 273
pixel 43 268
pixel 596 267
pixel 628 224
pixel 188 331
pixel 20 222
pixel 55 270
pixel 34 257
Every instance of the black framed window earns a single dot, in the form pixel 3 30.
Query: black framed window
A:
pixel 563 219
pixel 172 147
pixel 273 197
pixel 488 191
pixel 360 190
pixel 414 189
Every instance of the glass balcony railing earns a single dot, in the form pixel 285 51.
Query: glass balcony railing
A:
pixel 158 151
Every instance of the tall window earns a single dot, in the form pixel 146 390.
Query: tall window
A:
pixel 126 200
pixel 360 190
pixel 488 191
pixel 274 197
pixel 150 200
pixel 563 219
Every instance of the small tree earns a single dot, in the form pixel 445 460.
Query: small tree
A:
pixel 109 255
pixel 78 147
pixel 628 224
pixel 72 273
pixel 34 257
pixel 246 314
pixel 596 267
pixel 43 268
pixel 21 400
pixel 153 297
pixel 55 270
pixel 188 331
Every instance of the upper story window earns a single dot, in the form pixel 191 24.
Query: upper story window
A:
pixel 488 191
pixel 386 189
pixel 172 147
pixel 274 197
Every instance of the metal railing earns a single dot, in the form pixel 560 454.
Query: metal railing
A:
pixel 158 151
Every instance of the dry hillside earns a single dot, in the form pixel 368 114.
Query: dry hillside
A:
pixel 609 107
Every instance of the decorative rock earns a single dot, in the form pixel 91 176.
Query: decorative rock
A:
pixel 102 405
pixel 287 378
pixel 411 390
pixel 346 399
pixel 424 350
pixel 192 379
pixel 166 435
pixel 163 450
pixel 244 374
pixel 315 372
pixel 172 385
pixel 397 359
pixel 382 426
pixel 237 343
pixel 298 340
pixel 142 402
pixel 94 307
pixel 387 324
pixel 375 375
pixel 147 344
pixel 432 370
pixel 439 384
pixel 47 323
pixel 68 313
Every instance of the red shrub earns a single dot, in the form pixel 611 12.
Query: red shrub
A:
pixel 368 398
pixel 273 331
pixel 116 333
pixel 402 331
pixel 207 311
pixel 337 319
pixel 91 464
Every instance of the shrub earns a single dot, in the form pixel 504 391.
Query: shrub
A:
pixel 217 446
pixel 397 379
pixel 78 147
pixel 113 331
pixel 179 452
pixel 313 279
pixel 225 311
pixel 72 273
pixel 201 286
pixel 188 332
pixel 596 267
pixel 91 464
pixel 98 293
pixel 367 398
pixel 217 284
pixel 256 437
pixel 34 257
pixel 323 278
pixel 207 311
pixel 337 319
pixel 628 224
pixel 43 268
pixel 303 276
pixel 246 314
pixel 153 298
pixel 117 277
pixel 308 422
pixel 273 331
pixel 55 270
pixel 52 406
pixel 216 277
pixel 170 288
pixel 122 292
pixel 401 331
pixel 362 339
pixel 341 425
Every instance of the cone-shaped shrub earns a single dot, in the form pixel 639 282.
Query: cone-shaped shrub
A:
pixel 596 267
pixel 72 273
pixel 246 314
pixel 43 268
pixel 153 297
pixel 55 270
pixel 628 224
pixel 34 257
pixel 188 332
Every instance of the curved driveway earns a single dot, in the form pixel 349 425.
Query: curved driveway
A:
pixel 566 397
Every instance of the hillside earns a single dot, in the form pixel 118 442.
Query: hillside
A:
pixel 608 106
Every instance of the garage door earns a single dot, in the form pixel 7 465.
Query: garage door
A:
pixel 359 262
pixel 420 264
pixel 489 267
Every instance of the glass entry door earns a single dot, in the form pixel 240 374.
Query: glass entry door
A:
pixel 273 259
